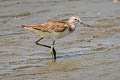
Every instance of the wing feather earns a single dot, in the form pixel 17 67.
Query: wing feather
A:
pixel 52 26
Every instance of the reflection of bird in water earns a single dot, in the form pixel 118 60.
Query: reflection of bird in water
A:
pixel 54 30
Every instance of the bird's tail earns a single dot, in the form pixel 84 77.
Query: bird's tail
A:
pixel 25 27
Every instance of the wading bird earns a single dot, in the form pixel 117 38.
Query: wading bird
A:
pixel 54 30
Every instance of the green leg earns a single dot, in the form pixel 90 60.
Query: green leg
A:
pixel 53 52
pixel 42 44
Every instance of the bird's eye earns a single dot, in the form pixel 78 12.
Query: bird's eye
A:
pixel 75 19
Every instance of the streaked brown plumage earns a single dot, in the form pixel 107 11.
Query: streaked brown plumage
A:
pixel 57 26
pixel 54 30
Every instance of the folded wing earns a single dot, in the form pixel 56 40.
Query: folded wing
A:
pixel 57 26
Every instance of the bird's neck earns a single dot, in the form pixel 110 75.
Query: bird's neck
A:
pixel 72 27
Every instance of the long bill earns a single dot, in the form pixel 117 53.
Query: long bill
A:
pixel 85 24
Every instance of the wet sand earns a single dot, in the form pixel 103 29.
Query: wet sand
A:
pixel 87 54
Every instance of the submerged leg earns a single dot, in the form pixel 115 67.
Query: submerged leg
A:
pixel 53 52
pixel 42 44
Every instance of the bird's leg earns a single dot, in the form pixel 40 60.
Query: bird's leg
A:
pixel 42 44
pixel 53 52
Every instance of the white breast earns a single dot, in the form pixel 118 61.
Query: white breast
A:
pixel 52 35
pixel 62 34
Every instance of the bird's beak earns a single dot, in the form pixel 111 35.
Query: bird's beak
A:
pixel 85 24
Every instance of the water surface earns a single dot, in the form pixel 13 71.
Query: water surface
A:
pixel 87 54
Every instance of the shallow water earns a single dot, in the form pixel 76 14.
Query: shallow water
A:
pixel 87 54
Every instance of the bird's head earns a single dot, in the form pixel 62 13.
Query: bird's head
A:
pixel 76 19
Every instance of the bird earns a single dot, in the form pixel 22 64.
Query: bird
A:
pixel 54 30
